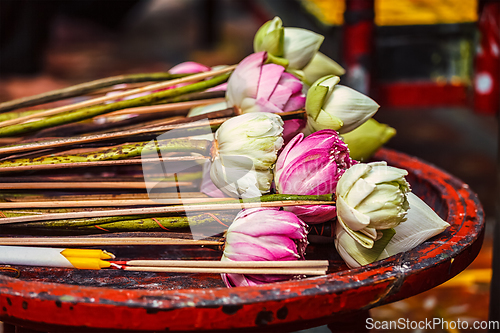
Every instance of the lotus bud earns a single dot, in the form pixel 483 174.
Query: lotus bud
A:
pixel 258 87
pixel 333 106
pixel 371 197
pixel 262 234
pixel 321 66
pixel 244 152
pixel 312 166
pixel 292 47
pixel 365 140
pixel 270 38
pixel 189 67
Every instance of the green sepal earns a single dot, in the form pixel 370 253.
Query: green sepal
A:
pixel 271 59
pixel 273 42
pixel 270 41
pixel 365 256
pixel 364 141
pixel 315 99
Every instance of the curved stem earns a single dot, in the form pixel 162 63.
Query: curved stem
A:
pixel 120 152
pixel 84 88
pixel 92 111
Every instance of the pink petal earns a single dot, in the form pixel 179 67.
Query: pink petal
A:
pixel 235 280
pixel 290 81
pixel 266 106
pixel 244 81
pixel 295 102
pixel 283 156
pixel 220 87
pixel 280 96
pixel 322 139
pixel 291 128
pixel 293 179
pixel 269 79
pixel 314 214
pixel 236 248
pixel 189 67
pixel 267 226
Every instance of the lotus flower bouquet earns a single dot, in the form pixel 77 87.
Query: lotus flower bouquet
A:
pixel 276 134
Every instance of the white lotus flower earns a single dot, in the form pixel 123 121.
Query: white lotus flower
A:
pixel 422 223
pixel 244 152
pixel 371 197
pixel 337 107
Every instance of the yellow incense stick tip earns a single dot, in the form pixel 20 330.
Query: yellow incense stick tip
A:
pixel 88 263
pixel 87 253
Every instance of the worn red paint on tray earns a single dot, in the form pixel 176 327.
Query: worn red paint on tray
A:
pixel 60 299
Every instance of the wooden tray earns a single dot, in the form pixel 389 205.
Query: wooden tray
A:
pixel 64 300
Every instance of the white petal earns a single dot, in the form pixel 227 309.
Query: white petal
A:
pixel 207 109
pixel 351 106
pixel 300 46
pixel 422 223
pixel 321 65
pixel 359 191
pixel 350 216
pixel 350 177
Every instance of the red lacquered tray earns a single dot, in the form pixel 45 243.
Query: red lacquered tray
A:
pixel 63 300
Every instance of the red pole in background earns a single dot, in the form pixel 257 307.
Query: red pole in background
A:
pixel 358 32
pixel 487 61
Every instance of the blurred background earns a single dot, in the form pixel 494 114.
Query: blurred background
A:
pixel 433 66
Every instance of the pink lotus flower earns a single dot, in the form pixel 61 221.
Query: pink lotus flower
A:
pixel 261 234
pixel 312 166
pixel 191 67
pixel 258 87
pixel 188 67
pixel 292 127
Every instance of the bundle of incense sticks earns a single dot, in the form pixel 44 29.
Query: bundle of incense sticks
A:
pixel 98 259
pixel 294 267
pixel 55 257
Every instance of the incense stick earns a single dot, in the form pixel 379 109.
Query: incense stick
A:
pixel 104 203
pixel 103 99
pixel 160 210
pixel 107 136
pixel 75 185
pixel 123 134
pixel 287 271
pixel 229 264
pixel 82 197
pixel 32 167
pixel 163 107
pixel 84 88
pixel 98 241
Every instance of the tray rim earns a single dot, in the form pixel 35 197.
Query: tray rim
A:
pixel 272 305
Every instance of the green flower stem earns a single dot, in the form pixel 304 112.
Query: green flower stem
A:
pixel 95 110
pixel 70 223
pixel 84 88
pixel 117 153
pixel 128 223
pixel 279 197
pixel 162 223
pixel 14 115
